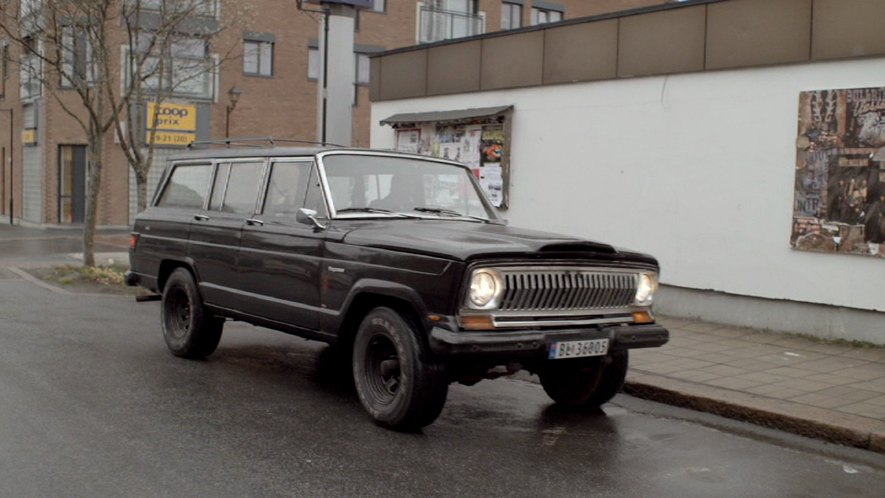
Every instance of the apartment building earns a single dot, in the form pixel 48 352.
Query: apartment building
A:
pixel 262 83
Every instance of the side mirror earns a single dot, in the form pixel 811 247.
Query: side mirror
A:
pixel 309 217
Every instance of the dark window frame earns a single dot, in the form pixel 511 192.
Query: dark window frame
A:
pixel 168 182
pixel 512 5
pixel 259 41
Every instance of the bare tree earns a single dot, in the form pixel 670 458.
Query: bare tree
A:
pixel 75 46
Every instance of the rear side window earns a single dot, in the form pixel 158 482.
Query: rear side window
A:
pixel 187 187
pixel 241 193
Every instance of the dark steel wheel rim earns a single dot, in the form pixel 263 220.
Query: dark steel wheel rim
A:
pixel 178 313
pixel 382 371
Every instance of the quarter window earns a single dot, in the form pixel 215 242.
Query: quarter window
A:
pixel 187 187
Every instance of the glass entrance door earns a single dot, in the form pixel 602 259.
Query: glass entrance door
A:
pixel 71 183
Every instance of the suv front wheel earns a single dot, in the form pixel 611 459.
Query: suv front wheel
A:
pixel 189 329
pixel 585 383
pixel 398 382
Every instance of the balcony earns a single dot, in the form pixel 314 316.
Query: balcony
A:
pixel 436 24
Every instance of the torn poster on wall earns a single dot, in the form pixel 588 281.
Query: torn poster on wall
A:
pixel 839 202
pixel 479 146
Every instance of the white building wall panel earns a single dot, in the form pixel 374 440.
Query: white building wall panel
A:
pixel 697 169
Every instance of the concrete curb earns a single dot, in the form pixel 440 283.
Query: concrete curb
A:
pixel 36 281
pixel 839 428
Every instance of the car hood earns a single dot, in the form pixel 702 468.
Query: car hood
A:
pixel 464 241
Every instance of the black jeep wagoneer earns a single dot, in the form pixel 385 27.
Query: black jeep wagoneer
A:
pixel 400 259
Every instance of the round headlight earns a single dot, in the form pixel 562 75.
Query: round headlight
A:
pixel 645 291
pixel 486 286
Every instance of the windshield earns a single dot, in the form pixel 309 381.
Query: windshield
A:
pixel 385 186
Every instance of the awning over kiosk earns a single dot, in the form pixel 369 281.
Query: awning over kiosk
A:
pixel 445 116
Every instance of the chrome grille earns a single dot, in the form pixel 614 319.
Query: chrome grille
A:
pixel 569 290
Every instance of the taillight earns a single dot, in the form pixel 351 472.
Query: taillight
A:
pixel 133 241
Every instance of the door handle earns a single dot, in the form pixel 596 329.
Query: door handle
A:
pixel 254 222
pixel 201 217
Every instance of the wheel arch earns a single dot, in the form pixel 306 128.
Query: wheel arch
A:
pixel 167 266
pixel 367 295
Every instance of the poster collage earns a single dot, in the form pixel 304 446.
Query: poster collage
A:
pixel 839 204
pixel 479 146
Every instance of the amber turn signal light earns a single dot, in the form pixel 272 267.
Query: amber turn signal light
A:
pixel 477 322
pixel 133 241
pixel 642 317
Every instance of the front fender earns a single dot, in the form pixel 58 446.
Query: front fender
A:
pixel 379 289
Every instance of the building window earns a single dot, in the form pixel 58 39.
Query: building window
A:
pixel 313 63
pixel 258 58
pixel 447 19
pixel 77 66
pixel 30 70
pixel 204 8
pixel 4 60
pixel 378 6
pixel 542 14
pixel 362 69
pixel 511 15
pixel 186 69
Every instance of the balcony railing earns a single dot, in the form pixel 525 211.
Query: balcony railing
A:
pixel 437 24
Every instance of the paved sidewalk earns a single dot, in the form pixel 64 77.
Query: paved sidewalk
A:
pixel 834 392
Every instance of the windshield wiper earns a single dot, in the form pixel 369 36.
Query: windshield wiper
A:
pixel 373 210
pixel 449 212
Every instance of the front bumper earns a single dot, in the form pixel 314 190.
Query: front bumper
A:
pixel 535 343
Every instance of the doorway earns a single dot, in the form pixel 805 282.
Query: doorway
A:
pixel 71 183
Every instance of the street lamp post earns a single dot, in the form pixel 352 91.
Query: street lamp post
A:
pixel 11 112
pixel 234 95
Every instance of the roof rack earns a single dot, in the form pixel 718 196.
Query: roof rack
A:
pixel 255 142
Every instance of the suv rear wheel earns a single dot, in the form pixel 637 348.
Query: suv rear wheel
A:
pixel 585 383
pixel 397 381
pixel 190 330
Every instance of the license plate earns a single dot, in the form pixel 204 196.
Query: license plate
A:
pixel 577 349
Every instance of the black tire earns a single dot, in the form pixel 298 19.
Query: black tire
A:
pixel 189 329
pixel 585 383
pixel 398 382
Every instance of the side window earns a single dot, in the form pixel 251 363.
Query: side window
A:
pixel 241 193
pixel 286 188
pixel 187 187
pixel 218 186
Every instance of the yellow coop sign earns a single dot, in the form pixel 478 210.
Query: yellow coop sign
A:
pixel 174 139
pixel 171 125
pixel 29 136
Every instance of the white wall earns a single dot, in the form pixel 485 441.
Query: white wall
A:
pixel 696 169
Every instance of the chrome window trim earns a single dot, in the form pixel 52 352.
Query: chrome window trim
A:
pixel 333 214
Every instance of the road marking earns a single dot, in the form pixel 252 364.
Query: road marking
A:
pixel 36 281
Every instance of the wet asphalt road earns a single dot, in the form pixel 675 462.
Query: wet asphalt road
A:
pixel 91 404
